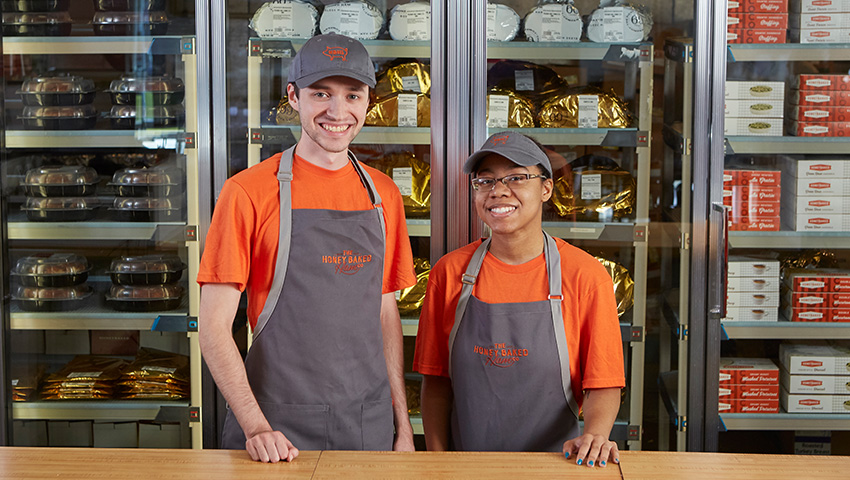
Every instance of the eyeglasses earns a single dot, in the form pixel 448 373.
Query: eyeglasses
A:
pixel 516 180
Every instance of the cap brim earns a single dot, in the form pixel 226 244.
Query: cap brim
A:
pixel 308 80
pixel 475 158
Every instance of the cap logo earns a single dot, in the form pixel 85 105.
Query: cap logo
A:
pixel 336 52
pixel 500 140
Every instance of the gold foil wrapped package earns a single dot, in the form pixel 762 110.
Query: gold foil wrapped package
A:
pixel 412 390
pixel 623 284
pixel 384 112
pixel 808 259
pixel 411 298
pixel 412 77
pixel 284 114
pixel 413 178
pixel 597 189
pixel 532 81
pixel 520 109
pixel 156 365
pixel 84 377
pixel 562 111
pixel 25 379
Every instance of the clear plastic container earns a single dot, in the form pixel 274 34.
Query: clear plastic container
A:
pixel 144 298
pixel 160 90
pixel 57 90
pixel 35 5
pixel 142 182
pixel 60 181
pixel 51 270
pixel 146 269
pixel 79 117
pixel 128 5
pixel 59 209
pixel 162 116
pixel 51 299
pixel 37 24
pixel 146 209
pixel 130 23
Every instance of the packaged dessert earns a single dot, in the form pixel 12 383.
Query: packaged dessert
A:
pixel 623 284
pixel 79 117
pixel 748 371
pixel 152 269
pixel 819 129
pixel 410 299
pixel 51 270
pixel 130 23
pixel 400 110
pixel 617 21
pixel 502 22
pixel 756 35
pixel 57 90
pixel 52 24
pixel 411 21
pixel 598 190
pixel 147 182
pixel 284 114
pixel 285 19
pixel 353 18
pixel 537 83
pixel 567 110
pixel 144 298
pixel 146 209
pixel 506 109
pixel 820 82
pixel 35 5
pixel 60 181
pixel 553 22
pixel 407 76
pixel 59 209
pixel 160 116
pixel 156 90
pixel 412 176
pixel 51 299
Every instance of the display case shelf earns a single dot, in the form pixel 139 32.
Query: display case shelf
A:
pixel 409 326
pixel 606 137
pixel 668 386
pixel 111 410
pixel 419 227
pixel 161 232
pixel 615 52
pixel 787 145
pixel 289 134
pixel 168 139
pixel 789 240
pixel 788 52
pixel 784 421
pixel 784 330
pixel 611 232
pixel 286 48
pixel 94 45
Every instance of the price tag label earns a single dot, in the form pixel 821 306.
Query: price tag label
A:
pixel 613 24
pixel 349 17
pixel 588 111
pixel 403 178
pixel 552 26
pixel 497 112
pixel 411 84
pixel 591 186
pixel 282 19
pixel 524 80
pixel 418 25
pixel 491 22
pixel 407 110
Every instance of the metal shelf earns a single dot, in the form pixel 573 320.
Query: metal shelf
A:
pixel 616 232
pixel 787 145
pixel 784 421
pixel 416 423
pixel 789 239
pixel 606 137
pixel 161 232
pixel 675 139
pixel 169 139
pixel 787 52
pixel 286 48
pixel 668 387
pixel 409 326
pixel 114 410
pixel 419 227
pixel 160 45
pixel 613 52
pixel 784 330
pixel 289 134
pixel 680 50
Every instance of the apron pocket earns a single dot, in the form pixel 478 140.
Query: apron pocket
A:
pixel 306 426
pixel 232 437
pixel 377 425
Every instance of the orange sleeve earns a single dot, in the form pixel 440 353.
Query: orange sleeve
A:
pixel 431 356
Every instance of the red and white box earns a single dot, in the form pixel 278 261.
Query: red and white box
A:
pixel 816 186
pixel 811 403
pixel 752 299
pixel 753 194
pixel 756 36
pixel 818 359
pixel 758 90
pixel 832 20
pixel 819 35
pixel 751 284
pixel 830 83
pixel 769 21
pixel 821 384
pixel 748 371
pixel 833 98
pixel 746 392
pixel 767 178
pixel 771 224
pixel 816 204
pixel 748 406
pixel 820 299
pixel 813 113
pixel 820 129
pixel 805 222
pixel 751 314
pixel 741 266
pixel 755 211
pixel 815 6
pixel 816 314
pixel 757 6
pixel 838 167
pixel 817 280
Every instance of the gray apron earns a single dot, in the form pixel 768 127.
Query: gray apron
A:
pixel 510 369
pixel 316 365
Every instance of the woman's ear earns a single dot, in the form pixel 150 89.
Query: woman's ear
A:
pixel 547 186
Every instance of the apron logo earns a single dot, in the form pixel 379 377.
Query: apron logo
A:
pixel 347 262
pixel 500 355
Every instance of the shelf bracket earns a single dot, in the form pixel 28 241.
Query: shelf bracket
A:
pixel 685 241
pixel 683 332
pixel 682 423
pixel 190 233
pixel 634 432
pixel 175 323
pixel 187 45
pixel 637 334
pixel 640 232
pixel 170 414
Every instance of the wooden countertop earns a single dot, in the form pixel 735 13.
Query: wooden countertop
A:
pixel 21 463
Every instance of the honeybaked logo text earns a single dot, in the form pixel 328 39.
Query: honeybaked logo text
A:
pixel 336 53
pixel 347 262
pixel 500 355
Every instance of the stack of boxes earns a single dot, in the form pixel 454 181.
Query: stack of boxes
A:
pixel 816 194
pixel 820 21
pixel 757 21
pixel 748 385
pixel 816 295
pixel 752 290
pixel 754 197
pixel 820 105
pixel 754 108
pixel 815 378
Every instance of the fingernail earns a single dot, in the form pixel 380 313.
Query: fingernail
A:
pixel 603 463
pixel 578 462
pixel 567 455
pixel 616 460
pixel 590 463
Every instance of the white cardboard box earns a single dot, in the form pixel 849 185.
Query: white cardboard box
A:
pixel 748 284
pixel 817 222
pixel 821 204
pixel 821 384
pixel 818 168
pixel 819 20
pixel 755 90
pixel 752 299
pixel 813 6
pixel 820 359
pixel 811 403
pixel 819 35
pixel 751 314
pixel 754 108
pixel 758 126
pixel 741 266
pixel 799 186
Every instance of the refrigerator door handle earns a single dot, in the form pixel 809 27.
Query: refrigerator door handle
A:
pixel 718 311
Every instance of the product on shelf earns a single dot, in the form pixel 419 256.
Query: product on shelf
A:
pixel 752 292
pixel 766 21
pixel 821 106
pixel 744 90
pixel 51 299
pixel 411 21
pixel 87 377
pixel 130 23
pixel 133 159
pixel 813 376
pixel 59 209
pixel 751 108
pixel 353 18
pixel 25 380
pixel 757 6
pixel 822 384
pixel 142 182
pixel 553 22
pixel 754 199
pixel 597 189
pixel 400 110
pixel 51 270
pixel 146 209
pixel 807 116
pixel 408 76
pixel 412 176
pixel 412 389
pixel 152 269
pixel 817 359
pixel 618 21
pixel 284 114
pixel 502 22
pixel 538 83
pixel 144 298
pixel 410 299
pixel 584 107
pixel 757 23
pixel 128 5
pixel 155 374
pixel 285 19
pixel 756 35
pixel 60 181
pixel 820 82
pixel 623 284
pixel 827 21
pixel 35 5
pixel 57 90
pixel 748 385
pixel 820 198
pixel 53 24
pixel 820 6
pixel 79 117
pixel 506 109
pixel 161 116
pixel 754 108
pixel 157 90
pixel 816 295
pixel 832 98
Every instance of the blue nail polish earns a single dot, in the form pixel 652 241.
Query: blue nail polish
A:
pixel 603 463
pixel 566 454
pixel 578 462
pixel 616 460
pixel 590 463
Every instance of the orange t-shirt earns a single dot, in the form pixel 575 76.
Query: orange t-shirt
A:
pixel 241 246
pixel 589 308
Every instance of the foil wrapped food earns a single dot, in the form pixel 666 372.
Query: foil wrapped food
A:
pixel 623 284
pixel 411 298
pixel 807 259
pixel 502 22
pixel 412 176
pixel 353 18
pixel 25 380
pixel 563 111
pixel 411 21
pixel 385 112
pixel 619 21
pixel 534 82
pixel 412 390
pixel 285 19
pixel 284 114
pixel 553 22
pixel 155 374
pixel 84 377
pixel 411 77
pixel 596 189
pixel 506 109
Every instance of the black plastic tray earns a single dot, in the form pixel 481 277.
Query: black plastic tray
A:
pixel 60 190
pixel 37 29
pixel 42 99
pixel 49 305
pixel 143 305
pixel 124 123
pixel 57 280
pixel 156 98
pixel 71 123
pixel 145 278
pixel 120 29
pixel 147 215
pixel 148 190
pixel 57 215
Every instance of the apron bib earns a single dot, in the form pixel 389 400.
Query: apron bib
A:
pixel 316 365
pixel 509 367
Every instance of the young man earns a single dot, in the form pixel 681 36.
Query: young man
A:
pixel 519 330
pixel 320 242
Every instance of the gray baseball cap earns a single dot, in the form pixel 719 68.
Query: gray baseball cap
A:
pixel 514 146
pixel 330 55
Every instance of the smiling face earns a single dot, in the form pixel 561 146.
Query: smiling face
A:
pixel 332 112
pixel 506 211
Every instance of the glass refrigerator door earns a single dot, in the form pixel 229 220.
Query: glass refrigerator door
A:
pixel 403 120
pixel 101 183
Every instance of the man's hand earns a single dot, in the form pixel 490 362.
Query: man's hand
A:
pixel 270 447
pixel 404 442
pixel 591 450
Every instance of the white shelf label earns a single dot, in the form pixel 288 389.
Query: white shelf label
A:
pixel 403 178
pixel 613 24
pixel 491 21
pixel 349 17
pixel 418 24
pixel 591 186
pixel 552 25
pixel 497 116
pixel 411 84
pixel 407 109
pixel 83 374
pixel 524 80
pixel 588 111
